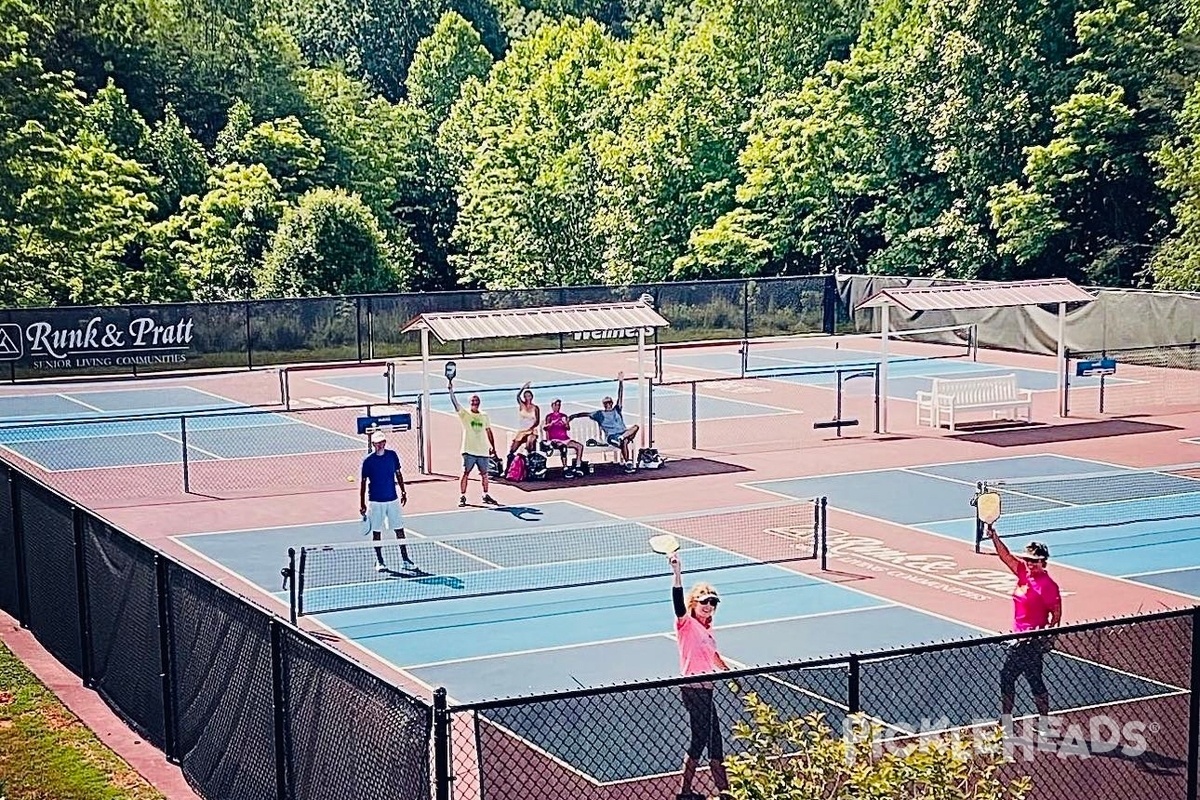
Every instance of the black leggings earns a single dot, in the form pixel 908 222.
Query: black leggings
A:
pixel 1023 658
pixel 706 732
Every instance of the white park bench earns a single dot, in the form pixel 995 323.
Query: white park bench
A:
pixel 583 430
pixel 996 393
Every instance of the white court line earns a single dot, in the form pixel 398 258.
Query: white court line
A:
pixel 284 416
pixel 1189 568
pixel 200 450
pixel 68 397
pixel 636 638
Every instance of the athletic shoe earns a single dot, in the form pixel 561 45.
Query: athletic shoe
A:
pixel 489 500
pixel 570 472
pixel 462 501
pixel 381 568
pixel 409 565
pixel 631 468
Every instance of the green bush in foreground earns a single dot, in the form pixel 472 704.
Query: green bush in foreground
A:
pixel 804 758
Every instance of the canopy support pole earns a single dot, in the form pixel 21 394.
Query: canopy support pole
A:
pixel 426 411
pixel 643 395
pixel 1062 359
pixel 884 325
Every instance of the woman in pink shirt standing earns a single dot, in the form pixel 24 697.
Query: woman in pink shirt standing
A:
pixel 1037 604
pixel 697 656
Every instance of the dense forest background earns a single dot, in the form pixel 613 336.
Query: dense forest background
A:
pixel 155 150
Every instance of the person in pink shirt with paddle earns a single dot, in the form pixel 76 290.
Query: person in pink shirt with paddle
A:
pixel 697 656
pixel 1037 605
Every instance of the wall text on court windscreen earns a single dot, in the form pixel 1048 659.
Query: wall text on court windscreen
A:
pixel 97 341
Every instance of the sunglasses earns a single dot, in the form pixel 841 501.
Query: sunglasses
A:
pixel 710 601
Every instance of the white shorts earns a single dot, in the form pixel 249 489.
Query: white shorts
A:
pixel 378 513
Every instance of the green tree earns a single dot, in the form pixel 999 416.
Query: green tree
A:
pixel 1176 263
pixel 329 243
pixel 178 160
pixel 110 115
pixel 373 39
pixel 286 150
pixel 519 148
pixel 443 62
pixel 72 209
pixel 216 243
pixel 804 757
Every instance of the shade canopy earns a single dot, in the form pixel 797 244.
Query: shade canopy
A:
pixel 979 295
pixel 504 323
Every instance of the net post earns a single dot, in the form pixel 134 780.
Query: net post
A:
pixel 744 352
pixel 187 478
pixel 877 387
pixel 1066 368
pixel 164 655
pixel 279 709
pixel 441 746
pixel 981 487
pixel 854 705
pixel 285 398
pixel 1193 758
pixel 838 403
pixel 695 425
pixel 298 581
pixel 823 537
pixel 289 582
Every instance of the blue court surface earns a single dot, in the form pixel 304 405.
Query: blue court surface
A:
pixel 907 373
pixel 217 429
pixel 532 641
pixel 497 388
pixel 1138 524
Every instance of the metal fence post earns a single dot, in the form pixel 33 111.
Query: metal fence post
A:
pixel 289 582
pixel 852 686
pixel 249 344
pixel 1193 758
pixel 85 614
pixel 694 423
pixel 441 746
pixel 746 309
pixel 279 708
pixel 829 300
pixel 19 548
pixel 170 748
pixel 187 479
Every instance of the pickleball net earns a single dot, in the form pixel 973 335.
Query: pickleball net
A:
pixel 1074 508
pixel 775 355
pixel 345 576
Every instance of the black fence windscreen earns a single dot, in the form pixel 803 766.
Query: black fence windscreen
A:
pixel 222 674
pixel 9 591
pixel 350 734
pixel 123 621
pixel 51 577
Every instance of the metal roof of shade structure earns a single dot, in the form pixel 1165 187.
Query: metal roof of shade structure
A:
pixel 980 295
pixel 456 326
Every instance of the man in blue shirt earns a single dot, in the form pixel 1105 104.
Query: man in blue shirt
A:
pixel 377 496
pixel 612 423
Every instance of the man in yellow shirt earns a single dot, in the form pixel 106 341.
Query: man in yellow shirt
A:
pixel 478 444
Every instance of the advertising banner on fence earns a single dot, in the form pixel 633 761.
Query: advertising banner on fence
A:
pixel 98 338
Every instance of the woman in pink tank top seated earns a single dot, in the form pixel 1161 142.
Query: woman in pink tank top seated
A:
pixel 698 655
pixel 1037 604
pixel 558 434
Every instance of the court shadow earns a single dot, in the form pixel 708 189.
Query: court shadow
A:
pixel 1038 433
pixel 418 575
pixel 1148 761
pixel 612 473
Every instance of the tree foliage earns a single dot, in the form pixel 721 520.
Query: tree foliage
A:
pixel 150 150
pixel 804 757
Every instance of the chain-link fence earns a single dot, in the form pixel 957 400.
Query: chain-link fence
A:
pixel 235 453
pixel 247 705
pixel 1134 379
pixel 1118 718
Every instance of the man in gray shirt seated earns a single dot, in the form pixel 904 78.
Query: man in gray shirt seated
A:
pixel 612 423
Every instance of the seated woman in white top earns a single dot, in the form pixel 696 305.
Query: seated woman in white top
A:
pixel 530 416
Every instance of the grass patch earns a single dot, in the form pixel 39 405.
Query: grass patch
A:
pixel 46 753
